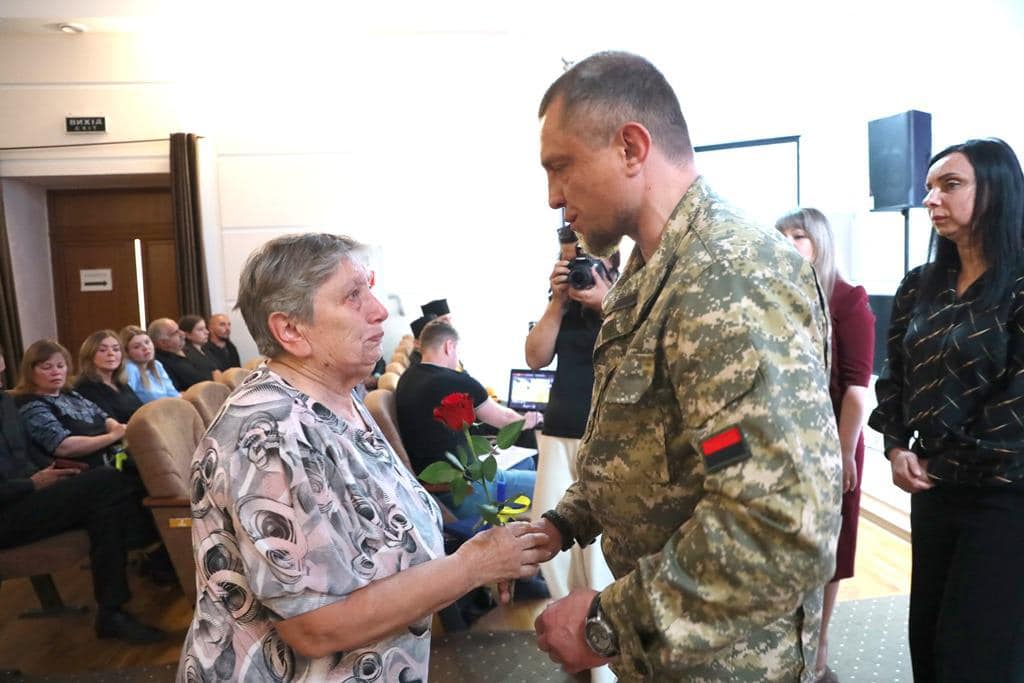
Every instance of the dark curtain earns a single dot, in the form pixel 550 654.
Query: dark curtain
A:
pixel 193 288
pixel 10 325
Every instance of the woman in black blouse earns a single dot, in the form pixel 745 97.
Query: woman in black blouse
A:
pixel 951 408
pixel 101 376
pixel 196 336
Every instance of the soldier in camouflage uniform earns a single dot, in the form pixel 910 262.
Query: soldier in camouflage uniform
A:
pixel 711 458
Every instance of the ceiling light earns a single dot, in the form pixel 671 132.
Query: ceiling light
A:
pixel 71 28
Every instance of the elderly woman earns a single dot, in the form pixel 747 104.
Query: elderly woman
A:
pixel 319 557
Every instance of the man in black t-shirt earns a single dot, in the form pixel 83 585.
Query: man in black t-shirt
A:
pixel 220 347
pixel 568 330
pixel 420 390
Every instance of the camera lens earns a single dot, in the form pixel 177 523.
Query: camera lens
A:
pixel 580 276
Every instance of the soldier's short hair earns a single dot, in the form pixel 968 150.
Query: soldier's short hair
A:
pixel 609 89
pixel 437 332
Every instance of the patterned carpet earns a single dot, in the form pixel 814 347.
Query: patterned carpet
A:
pixel 868 642
pixel 868 645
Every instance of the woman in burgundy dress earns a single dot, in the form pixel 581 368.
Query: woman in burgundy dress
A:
pixel 853 344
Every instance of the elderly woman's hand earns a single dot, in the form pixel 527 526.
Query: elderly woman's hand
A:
pixel 512 551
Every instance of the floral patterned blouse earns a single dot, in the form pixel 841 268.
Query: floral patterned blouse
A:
pixel 292 510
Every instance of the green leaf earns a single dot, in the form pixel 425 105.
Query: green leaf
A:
pixel 459 493
pixel 438 473
pixel 489 467
pixel 488 508
pixel 508 434
pixel 474 471
pixel 481 446
pixel 463 458
pixel 456 461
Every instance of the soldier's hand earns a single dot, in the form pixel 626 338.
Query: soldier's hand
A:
pixel 560 632
pixel 908 471
pixel 554 543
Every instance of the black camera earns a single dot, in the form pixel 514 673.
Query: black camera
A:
pixel 581 274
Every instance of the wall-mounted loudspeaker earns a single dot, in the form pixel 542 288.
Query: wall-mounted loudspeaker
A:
pixel 899 148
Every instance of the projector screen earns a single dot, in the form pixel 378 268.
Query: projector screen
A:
pixel 760 177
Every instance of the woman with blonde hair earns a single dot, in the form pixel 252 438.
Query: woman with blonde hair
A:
pixel 853 345
pixel 101 376
pixel 143 372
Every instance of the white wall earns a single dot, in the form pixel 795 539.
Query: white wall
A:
pixel 414 129
pixel 25 211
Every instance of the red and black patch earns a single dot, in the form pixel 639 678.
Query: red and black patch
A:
pixel 725 448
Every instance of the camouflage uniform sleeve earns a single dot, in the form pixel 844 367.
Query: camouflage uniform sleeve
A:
pixel 574 507
pixel 745 351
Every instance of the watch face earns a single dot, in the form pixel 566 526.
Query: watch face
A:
pixel 599 637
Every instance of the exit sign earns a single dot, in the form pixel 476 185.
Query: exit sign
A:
pixel 85 124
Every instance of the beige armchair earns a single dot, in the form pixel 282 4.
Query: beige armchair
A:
pixel 161 437
pixel 388 381
pixel 232 377
pixel 381 404
pixel 207 398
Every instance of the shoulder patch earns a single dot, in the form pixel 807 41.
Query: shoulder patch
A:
pixel 725 448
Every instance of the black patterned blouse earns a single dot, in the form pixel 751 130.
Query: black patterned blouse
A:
pixel 955 380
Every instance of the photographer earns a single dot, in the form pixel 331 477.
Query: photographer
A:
pixel 568 329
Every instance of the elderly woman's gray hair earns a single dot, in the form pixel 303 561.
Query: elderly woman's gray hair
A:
pixel 283 276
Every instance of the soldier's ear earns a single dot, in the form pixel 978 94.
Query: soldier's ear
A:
pixel 635 142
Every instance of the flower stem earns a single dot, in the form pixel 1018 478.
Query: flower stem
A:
pixel 483 482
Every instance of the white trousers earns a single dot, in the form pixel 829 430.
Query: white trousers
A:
pixel 579 567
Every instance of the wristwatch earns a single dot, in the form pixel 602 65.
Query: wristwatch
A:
pixel 598 632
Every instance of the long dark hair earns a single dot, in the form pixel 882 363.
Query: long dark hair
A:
pixel 997 222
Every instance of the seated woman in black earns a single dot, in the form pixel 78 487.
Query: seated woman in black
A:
pixel 62 423
pixel 39 498
pixel 196 336
pixel 101 376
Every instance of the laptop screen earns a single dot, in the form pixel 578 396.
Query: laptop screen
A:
pixel 529 389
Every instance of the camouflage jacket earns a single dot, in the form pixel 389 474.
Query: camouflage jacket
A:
pixel 711 460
